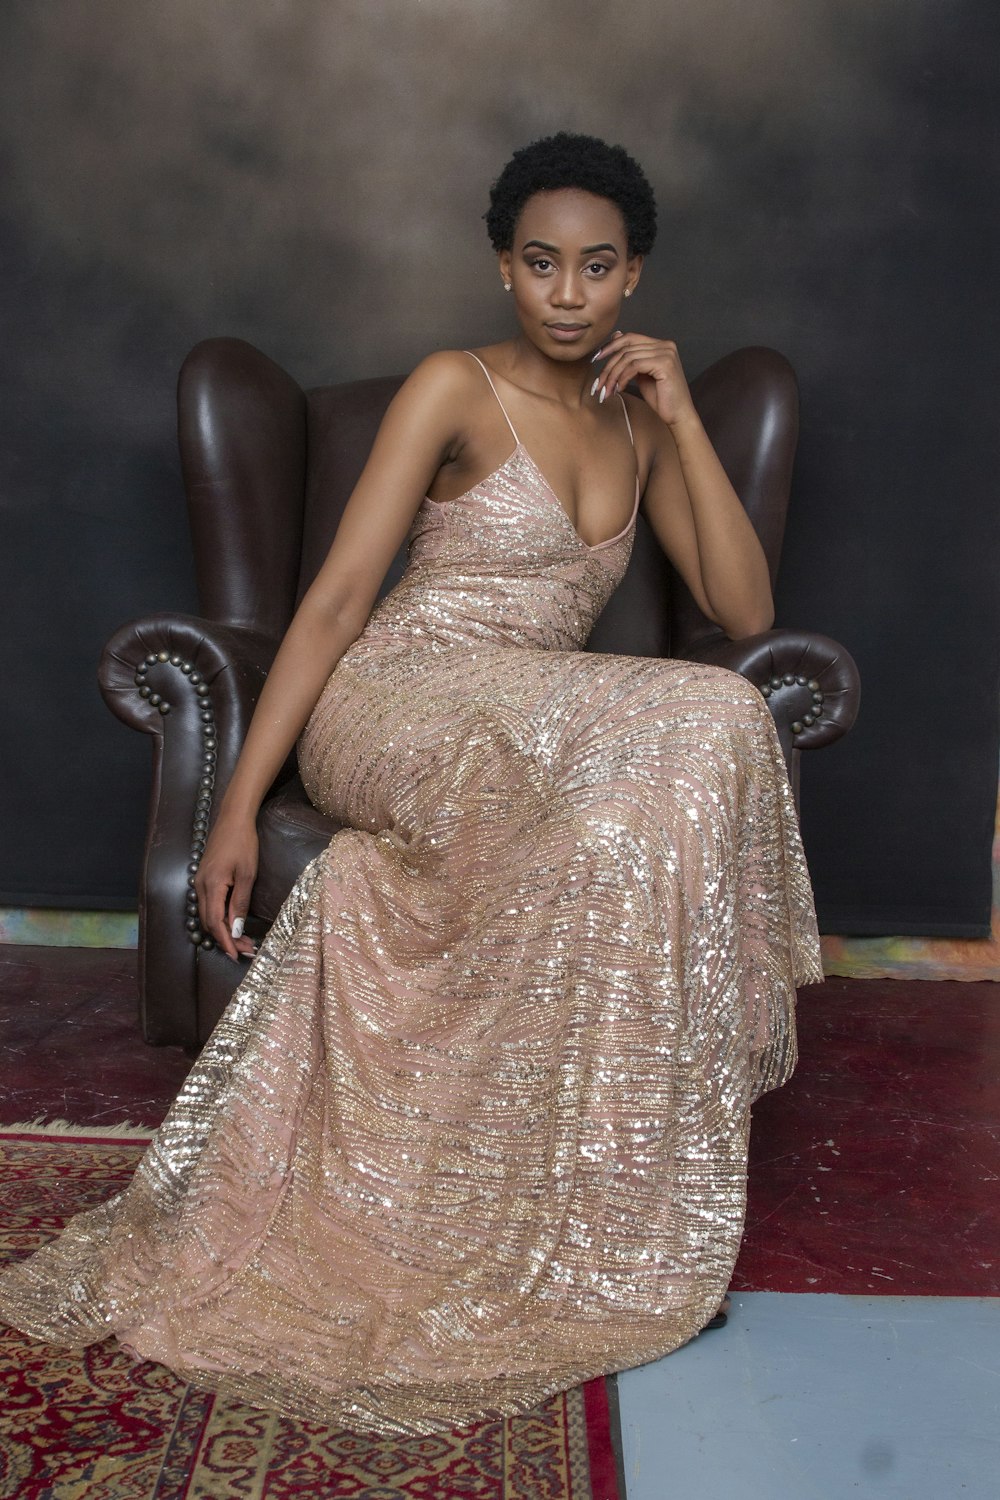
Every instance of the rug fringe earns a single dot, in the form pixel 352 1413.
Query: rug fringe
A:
pixel 41 1126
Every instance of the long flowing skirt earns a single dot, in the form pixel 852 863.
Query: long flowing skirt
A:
pixel 474 1126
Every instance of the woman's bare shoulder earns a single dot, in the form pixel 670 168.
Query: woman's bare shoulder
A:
pixel 450 370
pixel 439 388
pixel 443 397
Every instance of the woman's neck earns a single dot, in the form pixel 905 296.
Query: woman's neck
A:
pixel 567 382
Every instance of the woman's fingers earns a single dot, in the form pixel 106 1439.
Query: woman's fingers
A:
pixel 245 945
pixel 239 905
pixel 611 351
pixel 212 905
pixel 219 905
pixel 239 897
pixel 655 366
pixel 224 882
pixel 601 353
pixel 614 353
pixel 625 367
pixel 628 355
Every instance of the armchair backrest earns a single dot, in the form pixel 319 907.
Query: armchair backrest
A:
pixel 268 470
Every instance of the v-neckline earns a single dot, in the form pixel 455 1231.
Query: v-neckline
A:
pixel 590 546
pixel 519 448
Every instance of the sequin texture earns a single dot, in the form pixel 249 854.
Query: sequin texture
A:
pixel 474 1126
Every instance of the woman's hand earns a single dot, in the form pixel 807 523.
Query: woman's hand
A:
pixel 655 366
pixel 228 869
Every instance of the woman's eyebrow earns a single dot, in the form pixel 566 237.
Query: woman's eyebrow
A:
pixel 554 249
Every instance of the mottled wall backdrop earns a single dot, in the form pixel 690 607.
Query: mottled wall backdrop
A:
pixel 310 176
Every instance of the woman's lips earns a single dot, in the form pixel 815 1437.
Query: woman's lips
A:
pixel 567 333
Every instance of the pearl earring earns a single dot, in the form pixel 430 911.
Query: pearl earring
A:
pixel 628 291
pixel 506 286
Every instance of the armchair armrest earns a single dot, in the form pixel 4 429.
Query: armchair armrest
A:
pixel 192 685
pixel 811 683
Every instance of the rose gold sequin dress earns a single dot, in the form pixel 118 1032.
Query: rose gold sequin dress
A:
pixel 474 1126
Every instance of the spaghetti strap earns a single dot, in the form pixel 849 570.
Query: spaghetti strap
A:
pixel 513 429
pixel 493 388
pixel 631 439
pixel 628 424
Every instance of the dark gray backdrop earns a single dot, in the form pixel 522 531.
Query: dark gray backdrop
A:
pixel 310 177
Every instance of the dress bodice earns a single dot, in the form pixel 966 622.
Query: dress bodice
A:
pixel 502 563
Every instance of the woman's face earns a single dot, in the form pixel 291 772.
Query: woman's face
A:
pixel 569 269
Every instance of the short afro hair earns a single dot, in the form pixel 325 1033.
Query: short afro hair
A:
pixel 573 161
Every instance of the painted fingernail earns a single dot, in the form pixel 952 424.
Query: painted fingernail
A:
pixel 237 928
pixel 604 392
pixel 595 357
pixel 593 388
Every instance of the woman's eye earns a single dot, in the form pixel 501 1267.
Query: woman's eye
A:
pixel 541 264
pixel 598 267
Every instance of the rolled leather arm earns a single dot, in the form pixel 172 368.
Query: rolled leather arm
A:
pixel 811 682
pixel 192 684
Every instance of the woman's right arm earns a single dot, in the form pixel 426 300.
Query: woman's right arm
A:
pixel 421 426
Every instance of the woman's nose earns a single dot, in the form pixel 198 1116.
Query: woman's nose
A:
pixel 567 291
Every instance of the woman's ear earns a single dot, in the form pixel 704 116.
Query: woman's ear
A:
pixel 633 271
pixel 505 259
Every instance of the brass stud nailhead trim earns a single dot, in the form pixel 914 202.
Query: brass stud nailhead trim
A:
pixel 206 782
pixel 789 679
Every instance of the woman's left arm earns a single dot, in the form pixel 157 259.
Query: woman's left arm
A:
pixel 688 500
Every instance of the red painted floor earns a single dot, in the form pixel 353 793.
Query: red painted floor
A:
pixel 876 1169
pixel 70 1042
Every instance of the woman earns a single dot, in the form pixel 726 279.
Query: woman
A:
pixel 474 1127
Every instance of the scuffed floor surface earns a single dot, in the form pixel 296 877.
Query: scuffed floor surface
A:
pixel 877 1168
pixel 70 1041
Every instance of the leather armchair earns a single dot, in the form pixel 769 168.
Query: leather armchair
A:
pixel 268 469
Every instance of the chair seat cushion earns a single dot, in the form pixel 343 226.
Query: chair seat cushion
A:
pixel 291 833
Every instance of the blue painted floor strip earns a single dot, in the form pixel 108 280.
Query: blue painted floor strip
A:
pixel 807 1397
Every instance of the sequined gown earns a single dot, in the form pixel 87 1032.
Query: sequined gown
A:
pixel 474 1126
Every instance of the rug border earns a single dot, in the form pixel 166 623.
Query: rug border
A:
pixel 125 1134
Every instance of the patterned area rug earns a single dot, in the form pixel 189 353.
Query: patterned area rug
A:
pixel 94 1424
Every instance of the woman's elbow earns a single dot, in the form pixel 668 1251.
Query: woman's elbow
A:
pixel 339 614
